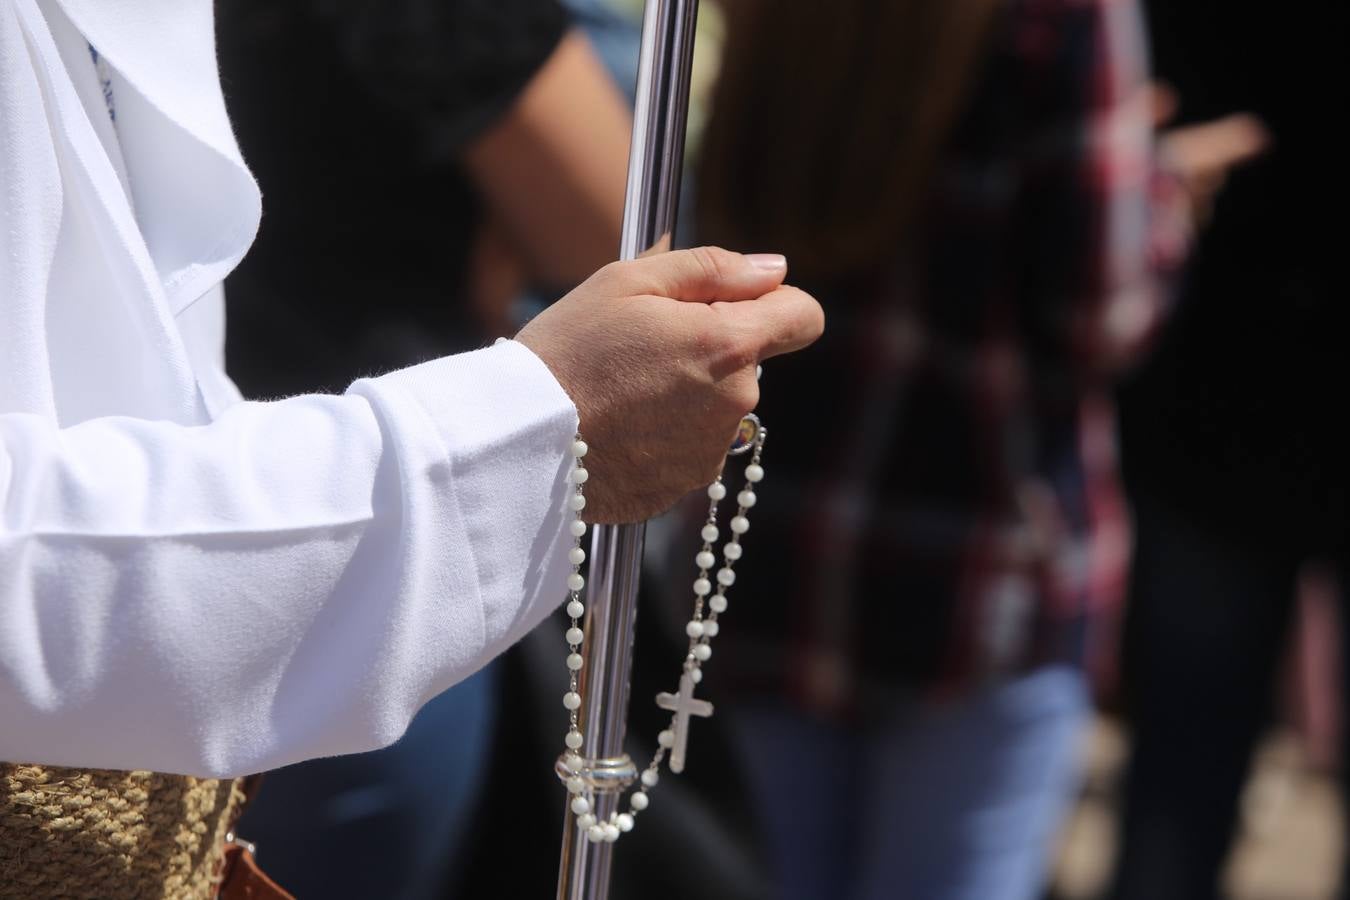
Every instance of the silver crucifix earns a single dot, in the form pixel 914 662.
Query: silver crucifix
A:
pixel 683 705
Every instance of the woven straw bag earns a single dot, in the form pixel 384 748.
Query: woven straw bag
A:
pixel 75 834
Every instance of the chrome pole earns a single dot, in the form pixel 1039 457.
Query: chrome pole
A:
pixel 654 165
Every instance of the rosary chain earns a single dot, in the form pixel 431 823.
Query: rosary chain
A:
pixel 702 627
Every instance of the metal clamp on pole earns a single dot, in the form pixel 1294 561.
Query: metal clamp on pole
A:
pixel 655 161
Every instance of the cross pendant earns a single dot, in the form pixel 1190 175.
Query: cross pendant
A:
pixel 683 705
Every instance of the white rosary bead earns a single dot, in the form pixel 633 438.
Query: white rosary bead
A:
pixel 611 832
pixel 596 833
pixel 700 631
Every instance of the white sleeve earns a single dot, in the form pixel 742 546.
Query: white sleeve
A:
pixel 291 581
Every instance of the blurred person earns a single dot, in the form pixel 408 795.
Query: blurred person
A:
pixel 1234 449
pixel 467 148
pixel 421 161
pixel 974 191
pixel 194 584
pixel 614 28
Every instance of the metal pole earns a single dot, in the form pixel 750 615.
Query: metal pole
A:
pixel 654 164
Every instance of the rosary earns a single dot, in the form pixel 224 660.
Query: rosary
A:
pixel 701 629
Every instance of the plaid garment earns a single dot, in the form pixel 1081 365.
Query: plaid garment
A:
pixel 941 504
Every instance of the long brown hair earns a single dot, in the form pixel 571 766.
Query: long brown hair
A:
pixel 826 122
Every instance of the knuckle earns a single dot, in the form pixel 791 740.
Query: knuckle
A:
pixel 712 263
pixel 745 395
pixel 609 274
pixel 737 349
pixel 715 339
pixel 727 352
pixel 738 396
pixel 809 313
pixel 712 342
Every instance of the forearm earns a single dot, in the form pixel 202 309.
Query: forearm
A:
pixel 552 170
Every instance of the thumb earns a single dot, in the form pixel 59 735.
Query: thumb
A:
pixel 702 274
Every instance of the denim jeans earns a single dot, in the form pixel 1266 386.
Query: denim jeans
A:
pixel 383 824
pixel 959 800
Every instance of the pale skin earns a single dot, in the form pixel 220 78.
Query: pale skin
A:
pixel 551 172
pixel 659 355
pixel 1204 154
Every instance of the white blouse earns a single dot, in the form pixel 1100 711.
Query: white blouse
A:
pixel 191 583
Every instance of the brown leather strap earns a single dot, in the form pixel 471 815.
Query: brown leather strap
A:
pixel 241 878
pixel 249 785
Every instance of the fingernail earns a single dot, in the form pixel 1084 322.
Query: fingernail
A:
pixel 767 262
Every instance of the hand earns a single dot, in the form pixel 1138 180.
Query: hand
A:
pixel 1203 155
pixel 659 356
